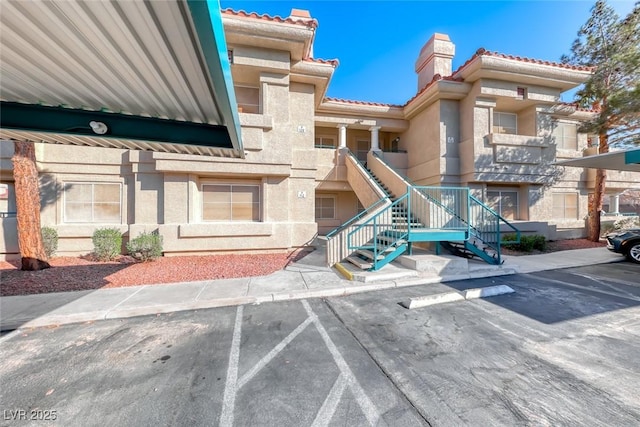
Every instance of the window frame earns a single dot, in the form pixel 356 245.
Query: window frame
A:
pixel 243 104
pixel 231 184
pixel 563 137
pixel 516 215
pixel 325 196
pixel 322 144
pixel 496 117
pixel 93 184
pixel 564 206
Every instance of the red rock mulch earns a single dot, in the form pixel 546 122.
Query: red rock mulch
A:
pixel 73 274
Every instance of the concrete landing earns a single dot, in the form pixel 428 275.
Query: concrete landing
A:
pixel 426 267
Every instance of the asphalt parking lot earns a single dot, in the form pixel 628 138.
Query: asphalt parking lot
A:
pixel 561 350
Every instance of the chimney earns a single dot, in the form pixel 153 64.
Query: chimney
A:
pixel 302 15
pixel 435 58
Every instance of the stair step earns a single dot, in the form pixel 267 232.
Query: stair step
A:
pixel 359 262
pixel 388 240
pixel 369 254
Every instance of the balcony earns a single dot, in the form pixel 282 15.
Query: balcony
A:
pixel 516 140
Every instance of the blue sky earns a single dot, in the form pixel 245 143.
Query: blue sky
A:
pixel 377 42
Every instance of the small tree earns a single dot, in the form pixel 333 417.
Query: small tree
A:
pixel 612 47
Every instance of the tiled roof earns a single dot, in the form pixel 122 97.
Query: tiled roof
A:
pixel 349 101
pixel 594 109
pixel 333 62
pixel 265 17
pixel 484 52
pixel 436 78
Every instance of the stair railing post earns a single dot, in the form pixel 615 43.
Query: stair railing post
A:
pixel 375 243
pixel 409 213
pixel 468 213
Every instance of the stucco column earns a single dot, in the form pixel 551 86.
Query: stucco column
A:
pixel 342 138
pixel 614 204
pixel 375 143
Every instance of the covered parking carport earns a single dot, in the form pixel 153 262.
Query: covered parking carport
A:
pixel 140 75
pixel 622 161
pixel 627 160
pixel 131 74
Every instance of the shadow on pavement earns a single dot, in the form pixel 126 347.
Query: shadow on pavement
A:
pixel 559 295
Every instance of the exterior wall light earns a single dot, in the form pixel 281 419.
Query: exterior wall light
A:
pixel 98 127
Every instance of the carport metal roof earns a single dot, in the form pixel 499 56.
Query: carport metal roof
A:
pixel 126 74
pixel 617 160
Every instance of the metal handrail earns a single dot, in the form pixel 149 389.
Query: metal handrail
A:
pixel 355 218
pixel 374 248
pixel 367 210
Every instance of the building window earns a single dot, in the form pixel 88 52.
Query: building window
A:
pixel 505 202
pixel 7 200
pixel 248 99
pixel 92 202
pixel 565 206
pixel 566 136
pixel 325 142
pixel 230 202
pixel 325 207
pixel 505 123
pixel 521 93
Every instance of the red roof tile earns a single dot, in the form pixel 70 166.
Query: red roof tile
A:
pixel 313 23
pixel 435 78
pixel 484 52
pixel 578 108
pixel 349 101
pixel 333 62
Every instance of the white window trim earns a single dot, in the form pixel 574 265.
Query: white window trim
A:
pixel 328 196
pixel 497 114
pixel 92 183
pixel 564 207
pixel 561 125
pixel 505 190
pixel 231 183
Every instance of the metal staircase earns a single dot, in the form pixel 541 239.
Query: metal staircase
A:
pixel 449 216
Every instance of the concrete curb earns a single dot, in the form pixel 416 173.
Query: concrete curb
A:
pixel 428 300
pixel 120 310
pixel 468 294
pixel 490 291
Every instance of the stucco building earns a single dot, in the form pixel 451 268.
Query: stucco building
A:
pixel 494 125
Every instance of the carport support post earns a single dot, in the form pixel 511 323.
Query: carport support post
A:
pixel 614 204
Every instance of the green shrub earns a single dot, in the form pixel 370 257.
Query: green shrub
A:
pixel 527 243
pixel 509 238
pixel 145 247
pixel 49 241
pixel 107 243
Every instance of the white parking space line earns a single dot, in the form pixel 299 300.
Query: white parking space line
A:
pixel 608 285
pixel 368 408
pixel 273 353
pixel 586 288
pixel 230 387
pixel 324 415
pixel 331 402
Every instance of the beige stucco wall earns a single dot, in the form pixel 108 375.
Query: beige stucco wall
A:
pixel 422 142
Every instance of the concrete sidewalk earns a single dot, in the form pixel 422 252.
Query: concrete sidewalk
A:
pixel 307 278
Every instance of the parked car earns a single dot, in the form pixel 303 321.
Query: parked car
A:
pixel 625 242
